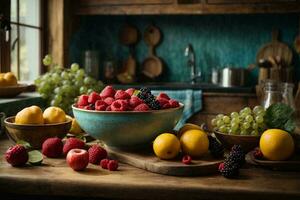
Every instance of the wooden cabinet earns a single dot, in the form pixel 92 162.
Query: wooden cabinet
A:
pixel 225 103
pixel 156 7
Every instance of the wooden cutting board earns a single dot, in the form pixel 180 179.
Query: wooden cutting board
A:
pixel 145 159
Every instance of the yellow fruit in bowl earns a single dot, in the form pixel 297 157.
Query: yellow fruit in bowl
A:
pixel 194 142
pixel 276 144
pixel 166 146
pixel 75 128
pixel 30 115
pixel 186 127
pixel 54 115
pixel 10 78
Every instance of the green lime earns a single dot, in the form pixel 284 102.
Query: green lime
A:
pixel 35 157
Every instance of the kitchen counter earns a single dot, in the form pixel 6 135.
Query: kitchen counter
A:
pixel 55 179
pixel 205 87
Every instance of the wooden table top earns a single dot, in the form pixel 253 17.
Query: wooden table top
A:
pixel 56 178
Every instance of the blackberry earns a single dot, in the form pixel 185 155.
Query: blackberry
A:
pixel 236 156
pixel 148 98
pixel 237 148
pixel 145 90
pixel 230 170
pixel 216 149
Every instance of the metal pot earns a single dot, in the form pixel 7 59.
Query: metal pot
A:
pixel 233 77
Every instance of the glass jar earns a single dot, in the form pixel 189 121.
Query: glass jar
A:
pixel 272 93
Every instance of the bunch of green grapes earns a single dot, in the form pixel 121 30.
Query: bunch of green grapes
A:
pixel 245 122
pixel 60 86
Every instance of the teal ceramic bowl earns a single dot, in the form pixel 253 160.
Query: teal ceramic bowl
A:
pixel 127 129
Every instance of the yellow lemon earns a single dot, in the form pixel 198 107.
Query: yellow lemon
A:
pixel 276 144
pixel 54 115
pixel 194 142
pixel 10 78
pixel 166 146
pixel 75 128
pixel 30 115
pixel 186 127
pixel 3 81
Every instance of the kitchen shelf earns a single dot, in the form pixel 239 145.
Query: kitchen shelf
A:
pixel 184 7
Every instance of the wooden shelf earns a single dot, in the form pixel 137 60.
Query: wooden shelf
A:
pixel 94 7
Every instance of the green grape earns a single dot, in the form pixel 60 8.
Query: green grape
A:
pixel 254 126
pixel 256 109
pixel 234 126
pixel 249 118
pixel 90 91
pixel 65 75
pixel 259 119
pixel 223 129
pixel 66 82
pixel 243 115
pixel 80 72
pixel 74 67
pixel 261 113
pixel 243 132
pixel 47 60
pixel 87 80
pixel 220 122
pixel 236 120
pixel 214 122
pixel 58 98
pixel 83 90
pixel 246 125
pixel 247 110
pixel 234 115
pixel 226 119
pixel 254 132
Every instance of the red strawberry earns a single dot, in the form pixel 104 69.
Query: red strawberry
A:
pixel 162 101
pixel 173 103
pixel 83 100
pixel 163 95
pixel 187 160
pixel 52 147
pixel 135 101
pixel 88 107
pixel 118 105
pixel 130 91
pixel 109 100
pixel 93 97
pixel 121 94
pixel 142 107
pixel 108 108
pixel 73 143
pixel 166 106
pixel 112 165
pixel 100 105
pixel 108 91
pixel 16 155
pixel 96 154
pixel 104 163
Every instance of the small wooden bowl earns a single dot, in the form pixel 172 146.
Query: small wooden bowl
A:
pixel 248 142
pixel 35 135
pixel 12 91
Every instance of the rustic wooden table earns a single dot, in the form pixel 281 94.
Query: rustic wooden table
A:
pixel 55 178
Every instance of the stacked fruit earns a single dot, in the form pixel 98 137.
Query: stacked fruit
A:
pixel 191 140
pixel 60 86
pixel 129 100
pixel 8 79
pixel 74 149
pixel 245 122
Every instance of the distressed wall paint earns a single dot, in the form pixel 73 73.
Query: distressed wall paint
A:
pixel 217 39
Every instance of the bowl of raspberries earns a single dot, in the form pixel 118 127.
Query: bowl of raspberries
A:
pixel 126 118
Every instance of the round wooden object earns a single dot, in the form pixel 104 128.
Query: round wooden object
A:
pixel 128 35
pixel 152 36
pixel 12 91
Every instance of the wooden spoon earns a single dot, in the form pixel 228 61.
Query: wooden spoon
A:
pixel 152 66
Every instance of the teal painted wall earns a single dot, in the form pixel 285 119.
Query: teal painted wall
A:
pixel 217 39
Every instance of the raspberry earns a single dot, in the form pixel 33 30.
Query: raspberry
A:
pixel 109 100
pixel 112 165
pixel 83 100
pixel 130 91
pixel 93 97
pixel 258 154
pixel 104 163
pixel 162 101
pixel 221 167
pixel 187 160
pixel 108 91
pixel 100 105
pixel 142 107
pixel 173 103
pixel 163 95
pixel 16 155
pixel 135 101
pixel 166 106
pixel 96 154
pixel 120 94
pixel 108 108
pixel 118 105
pixel 73 143
pixel 88 107
pixel 52 147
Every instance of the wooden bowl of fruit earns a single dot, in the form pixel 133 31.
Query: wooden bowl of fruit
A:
pixel 243 128
pixel 9 86
pixel 51 123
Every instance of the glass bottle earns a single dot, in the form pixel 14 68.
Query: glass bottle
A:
pixel 272 93
pixel 287 95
